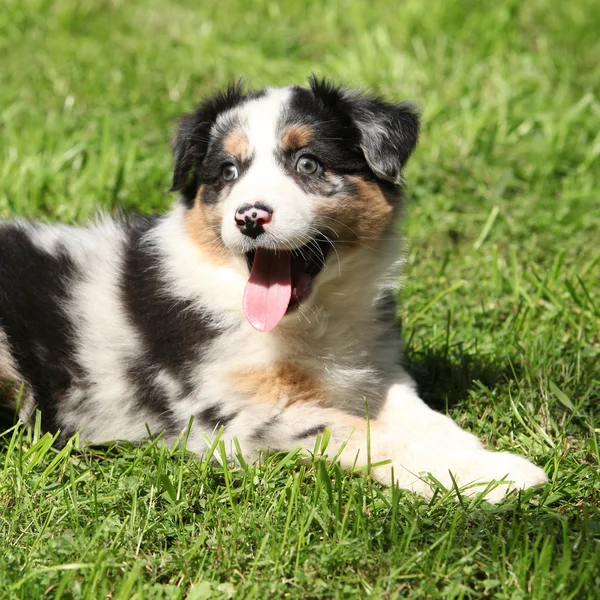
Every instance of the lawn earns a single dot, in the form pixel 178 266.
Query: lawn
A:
pixel 500 303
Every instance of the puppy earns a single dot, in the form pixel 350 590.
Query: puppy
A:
pixel 262 304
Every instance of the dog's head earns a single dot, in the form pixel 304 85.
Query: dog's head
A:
pixel 288 176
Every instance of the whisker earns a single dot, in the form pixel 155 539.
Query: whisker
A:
pixel 332 230
pixel 340 223
pixel 332 244
pixel 320 257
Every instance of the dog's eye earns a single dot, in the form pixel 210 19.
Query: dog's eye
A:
pixel 307 165
pixel 229 172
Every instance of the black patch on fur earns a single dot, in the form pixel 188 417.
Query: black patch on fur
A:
pixel 34 288
pixel 210 195
pixel 260 434
pixel 312 432
pixel 213 417
pixel 335 142
pixel 191 141
pixel 173 331
pixel 149 394
pixel 353 134
pixel 209 172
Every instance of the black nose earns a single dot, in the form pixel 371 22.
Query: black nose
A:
pixel 251 218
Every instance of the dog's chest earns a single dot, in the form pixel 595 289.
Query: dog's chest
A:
pixel 336 368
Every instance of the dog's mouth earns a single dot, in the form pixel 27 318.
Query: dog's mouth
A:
pixel 280 280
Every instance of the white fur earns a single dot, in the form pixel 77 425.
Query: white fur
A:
pixel 428 442
pixel 216 288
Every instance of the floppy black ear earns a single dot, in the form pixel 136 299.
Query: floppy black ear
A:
pixel 186 148
pixel 192 136
pixel 388 132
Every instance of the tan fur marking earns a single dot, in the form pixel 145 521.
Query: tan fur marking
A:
pixel 296 136
pixel 236 144
pixel 283 380
pixel 377 209
pixel 202 223
pixel 363 216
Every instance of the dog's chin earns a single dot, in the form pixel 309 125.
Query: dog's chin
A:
pixel 305 262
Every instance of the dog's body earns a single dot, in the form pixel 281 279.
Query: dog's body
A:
pixel 263 302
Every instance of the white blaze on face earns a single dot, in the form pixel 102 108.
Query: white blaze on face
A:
pixel 266 181
pixel 269 289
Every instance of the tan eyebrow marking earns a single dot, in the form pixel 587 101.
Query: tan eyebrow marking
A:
pixel 296 136
pixel 236 144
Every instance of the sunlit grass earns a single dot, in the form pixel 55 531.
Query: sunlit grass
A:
pixel 500 306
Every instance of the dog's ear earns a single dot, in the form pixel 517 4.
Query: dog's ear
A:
pixel 192 136
pixel 388 132
pixel 186 150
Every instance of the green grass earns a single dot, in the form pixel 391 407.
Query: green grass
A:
pixel 501 302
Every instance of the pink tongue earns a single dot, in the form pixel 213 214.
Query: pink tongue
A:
pixel 269 289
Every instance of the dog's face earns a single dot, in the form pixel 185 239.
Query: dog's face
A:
pixel 285 177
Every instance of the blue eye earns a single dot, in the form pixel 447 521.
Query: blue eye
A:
pixel 307 165
pixel 229 172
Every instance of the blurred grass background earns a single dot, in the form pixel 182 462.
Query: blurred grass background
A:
pixel 500 303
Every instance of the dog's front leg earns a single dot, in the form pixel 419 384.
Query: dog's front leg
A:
pixel 427 442
pixel 412 439
pixel 352 440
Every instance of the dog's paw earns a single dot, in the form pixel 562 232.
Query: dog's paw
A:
pixel 504 471
pixel 492 474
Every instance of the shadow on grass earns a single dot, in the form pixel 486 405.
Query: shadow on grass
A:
pixel 444 378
